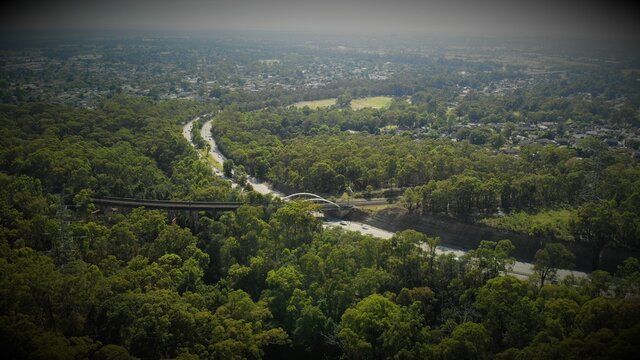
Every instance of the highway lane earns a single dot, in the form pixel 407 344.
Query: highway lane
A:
pixel 520 269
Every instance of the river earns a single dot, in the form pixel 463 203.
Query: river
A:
pixel 520 269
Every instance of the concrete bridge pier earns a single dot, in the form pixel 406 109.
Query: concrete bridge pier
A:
pixel 195 218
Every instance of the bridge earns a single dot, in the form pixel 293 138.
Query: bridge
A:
pixel 339 209
pixel 108 204
pixel 167 204
pixel 171 207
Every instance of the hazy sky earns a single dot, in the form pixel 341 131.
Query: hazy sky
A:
pixel 512 17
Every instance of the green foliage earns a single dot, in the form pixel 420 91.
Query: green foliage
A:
pixel 22 339
pixel 294 223
pixel 313 297
pixel 467 341
pixel 268 280
pixel 550 224
pixel 227 167
pixel 239 326
pixel 363 326
pixel 600 224
pixel 329 151
pixel 127 147
pixel 489 260
pixel 552 257
pixel 629 278
pixel 344 100
pixel 112 352
pixel 509 314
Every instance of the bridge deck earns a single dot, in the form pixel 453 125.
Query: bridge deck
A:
pixel 167 205
pixel 185 205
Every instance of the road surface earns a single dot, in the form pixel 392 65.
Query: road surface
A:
pixel 520 269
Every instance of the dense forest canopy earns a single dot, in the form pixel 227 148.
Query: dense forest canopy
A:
pixel 546 146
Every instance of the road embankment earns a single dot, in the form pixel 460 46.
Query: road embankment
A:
pixel 467 236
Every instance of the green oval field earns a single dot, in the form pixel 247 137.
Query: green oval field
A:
pixel 376 102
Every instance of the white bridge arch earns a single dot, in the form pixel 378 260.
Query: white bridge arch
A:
pixel 314 198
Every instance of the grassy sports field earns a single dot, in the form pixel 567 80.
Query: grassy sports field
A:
pixel 375 102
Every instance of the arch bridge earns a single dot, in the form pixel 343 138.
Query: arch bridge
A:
pixel 335 208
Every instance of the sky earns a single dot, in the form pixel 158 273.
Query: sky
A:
pixel 598 20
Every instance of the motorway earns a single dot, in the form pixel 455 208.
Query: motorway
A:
pixel 520 269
